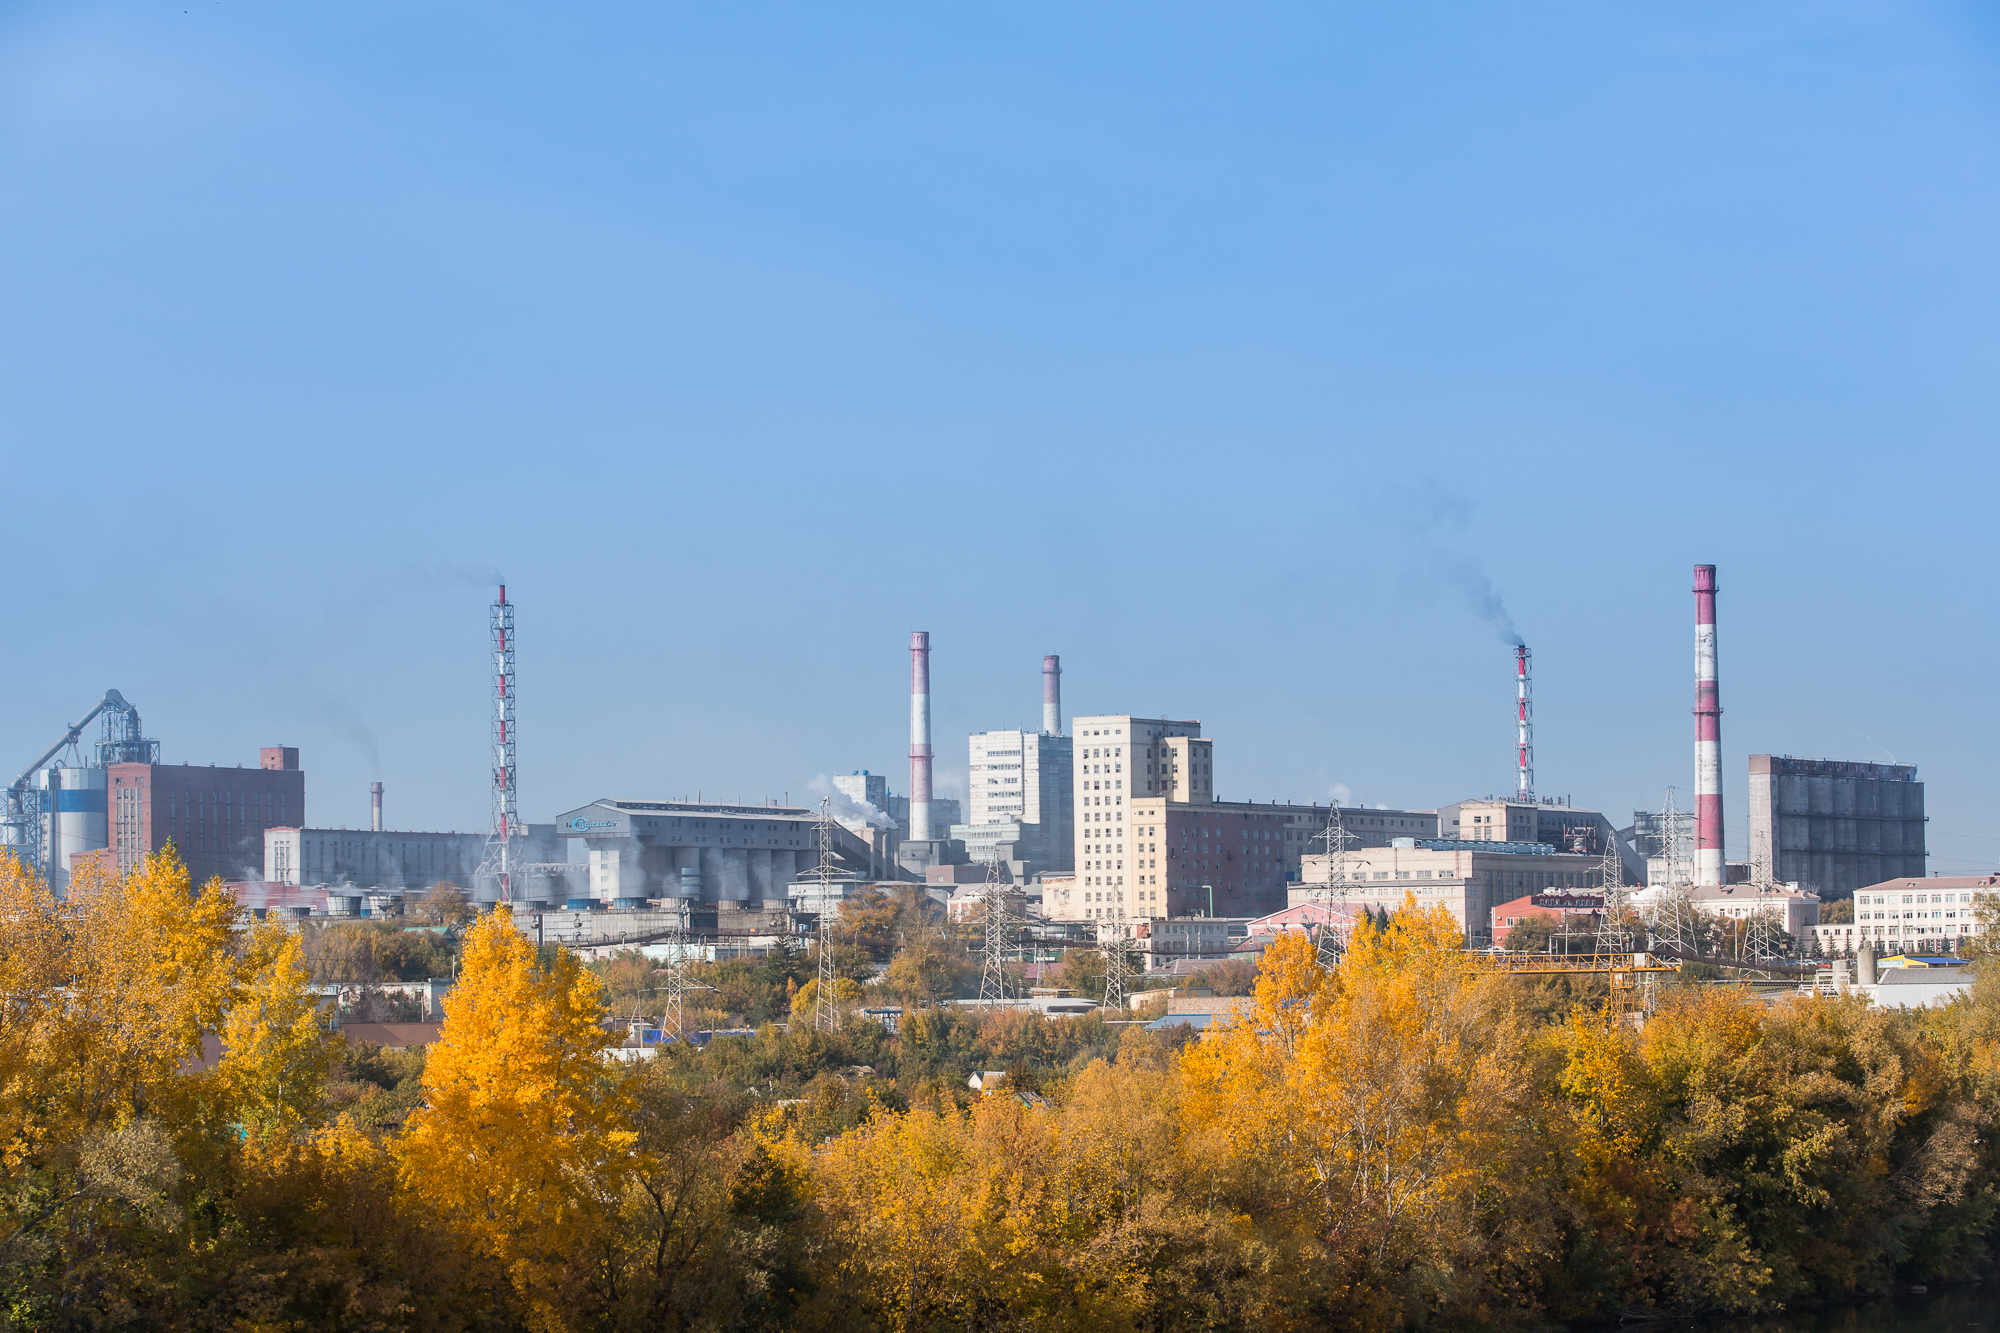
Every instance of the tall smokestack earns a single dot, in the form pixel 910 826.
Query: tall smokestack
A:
pixel 375 801
pixel 1707 735
pixel 920 737
pixel 1052 696
pixel 1524 729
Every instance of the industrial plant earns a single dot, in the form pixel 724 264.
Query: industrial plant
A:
pixel 1111 826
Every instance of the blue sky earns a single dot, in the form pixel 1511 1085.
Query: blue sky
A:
pixel 1231 352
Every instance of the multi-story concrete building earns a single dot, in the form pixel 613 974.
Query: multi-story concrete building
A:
pixel 1792 907
pixel 215 817
pixel 1831 826
pixel 1917 913
pixel 944 812
pixel 1020 783
pixel 1468 878
pixel 1152 838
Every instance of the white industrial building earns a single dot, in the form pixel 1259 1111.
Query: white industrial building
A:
pixel 387 859
pixel 644 851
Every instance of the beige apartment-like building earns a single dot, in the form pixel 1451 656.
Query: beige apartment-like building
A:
pixel 1152 839
pixel 1466 879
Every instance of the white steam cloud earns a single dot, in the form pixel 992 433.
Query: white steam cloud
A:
pixel 845 808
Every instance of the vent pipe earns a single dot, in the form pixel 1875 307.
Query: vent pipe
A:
pixel 1052 696
pixel 375 803
pixel 920 736
pixel 1707 736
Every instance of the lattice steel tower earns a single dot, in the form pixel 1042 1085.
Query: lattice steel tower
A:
pixel 826 1015
pixel 993 967
pixel 504 834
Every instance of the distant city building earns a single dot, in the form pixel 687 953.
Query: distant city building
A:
pixel 1019 787
pixel 1151 837
pixel 1795 909
pixel 944 812
pixel 215 817
pixel 387 860
pixel 642 851
pixel 1467 878
pixel 1915 913
pixel 1831 826
pixel 864 788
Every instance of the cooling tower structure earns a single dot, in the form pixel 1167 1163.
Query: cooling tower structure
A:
pixel 1708 849
pixel 920 737
pixel 1052 696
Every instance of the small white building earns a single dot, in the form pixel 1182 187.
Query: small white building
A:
pixel 1795 909
pixel 1934 913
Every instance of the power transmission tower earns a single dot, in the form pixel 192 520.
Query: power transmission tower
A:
pixel 826 1016
pixel 674 1019
pixel 1675 923
pixel 1112 939
pixel 993 970
pixel 1763 936
pixel 1614 934
pixel 1334 896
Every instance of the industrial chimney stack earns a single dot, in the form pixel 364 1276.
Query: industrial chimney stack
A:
pixel 920 736
pixel 375 804
pixel 1524 729
pixel 1707 735
pixel 1052 696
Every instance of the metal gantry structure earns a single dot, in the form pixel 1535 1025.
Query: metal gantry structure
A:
pixel 504 833
pixel 26 814
pixel 826 1013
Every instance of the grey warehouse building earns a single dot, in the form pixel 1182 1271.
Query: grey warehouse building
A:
pixel 1832 826
pixel 644 851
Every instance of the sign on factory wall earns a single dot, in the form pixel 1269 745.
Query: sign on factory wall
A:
pixel 1581 902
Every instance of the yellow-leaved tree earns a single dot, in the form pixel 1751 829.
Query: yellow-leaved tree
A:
pixel 111 989
pixel 275 1048
pixel 523 1144
pixel 1365 1088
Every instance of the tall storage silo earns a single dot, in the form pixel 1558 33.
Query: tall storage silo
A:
pixel 79 816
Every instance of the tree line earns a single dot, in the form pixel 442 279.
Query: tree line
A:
pixel 1408 1141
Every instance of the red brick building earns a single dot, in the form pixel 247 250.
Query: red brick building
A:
pixel 216 817
pixel 1546 907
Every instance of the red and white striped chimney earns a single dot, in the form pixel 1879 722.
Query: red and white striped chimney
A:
pixel 1707 735
pixel 1524 729
pixel 920 736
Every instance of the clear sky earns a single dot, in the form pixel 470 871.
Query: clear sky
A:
pixel 1233 352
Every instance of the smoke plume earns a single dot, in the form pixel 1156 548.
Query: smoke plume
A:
pixel 845 808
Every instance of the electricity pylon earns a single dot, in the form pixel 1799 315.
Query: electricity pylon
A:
pixel 1334 896
pixel 1117 967
pixel 993 971
pixel 826 1016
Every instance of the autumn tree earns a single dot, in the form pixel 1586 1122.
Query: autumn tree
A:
pixel 275 1047
pixel 524 1145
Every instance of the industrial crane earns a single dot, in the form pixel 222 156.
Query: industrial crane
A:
pixel 22 809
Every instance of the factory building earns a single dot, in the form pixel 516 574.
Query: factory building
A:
pixel 746 855
pixel 388 860
pixel 1468 878
pixel 215 817
pixel 1550 820
pixel 1151 837
pixel 1833 827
